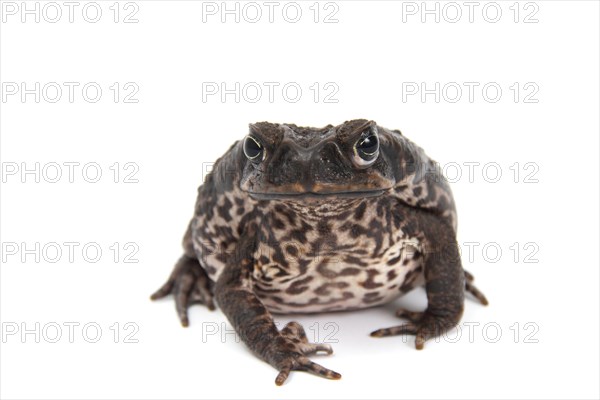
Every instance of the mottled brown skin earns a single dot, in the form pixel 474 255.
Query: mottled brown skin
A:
pixel 304 220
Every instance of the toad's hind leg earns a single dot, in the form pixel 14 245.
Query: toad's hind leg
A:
pixel 444 284
pixel 470 287
pixel 188 283
pixel 416 316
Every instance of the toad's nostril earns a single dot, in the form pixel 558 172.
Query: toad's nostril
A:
pixel 328 165
pixel 288 165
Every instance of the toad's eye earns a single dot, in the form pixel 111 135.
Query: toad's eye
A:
pixel 253 149
pixel 366 149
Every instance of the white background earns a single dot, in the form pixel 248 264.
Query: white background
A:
pixel 170 132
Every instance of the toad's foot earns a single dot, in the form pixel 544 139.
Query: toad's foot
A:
pixel 424 325
pixel 445 288
pixel 295 332
pixel 412 316
pixel 289 353
pixel 470 288
pixel 189 284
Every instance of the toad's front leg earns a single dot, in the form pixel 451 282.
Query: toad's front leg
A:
pixel 444 284
pixel 286 350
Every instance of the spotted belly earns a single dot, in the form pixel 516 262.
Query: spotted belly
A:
pixel 340 280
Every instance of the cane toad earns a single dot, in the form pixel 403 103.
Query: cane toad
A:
pixel 304 220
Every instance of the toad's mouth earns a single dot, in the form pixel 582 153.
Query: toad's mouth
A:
pixel 316 195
